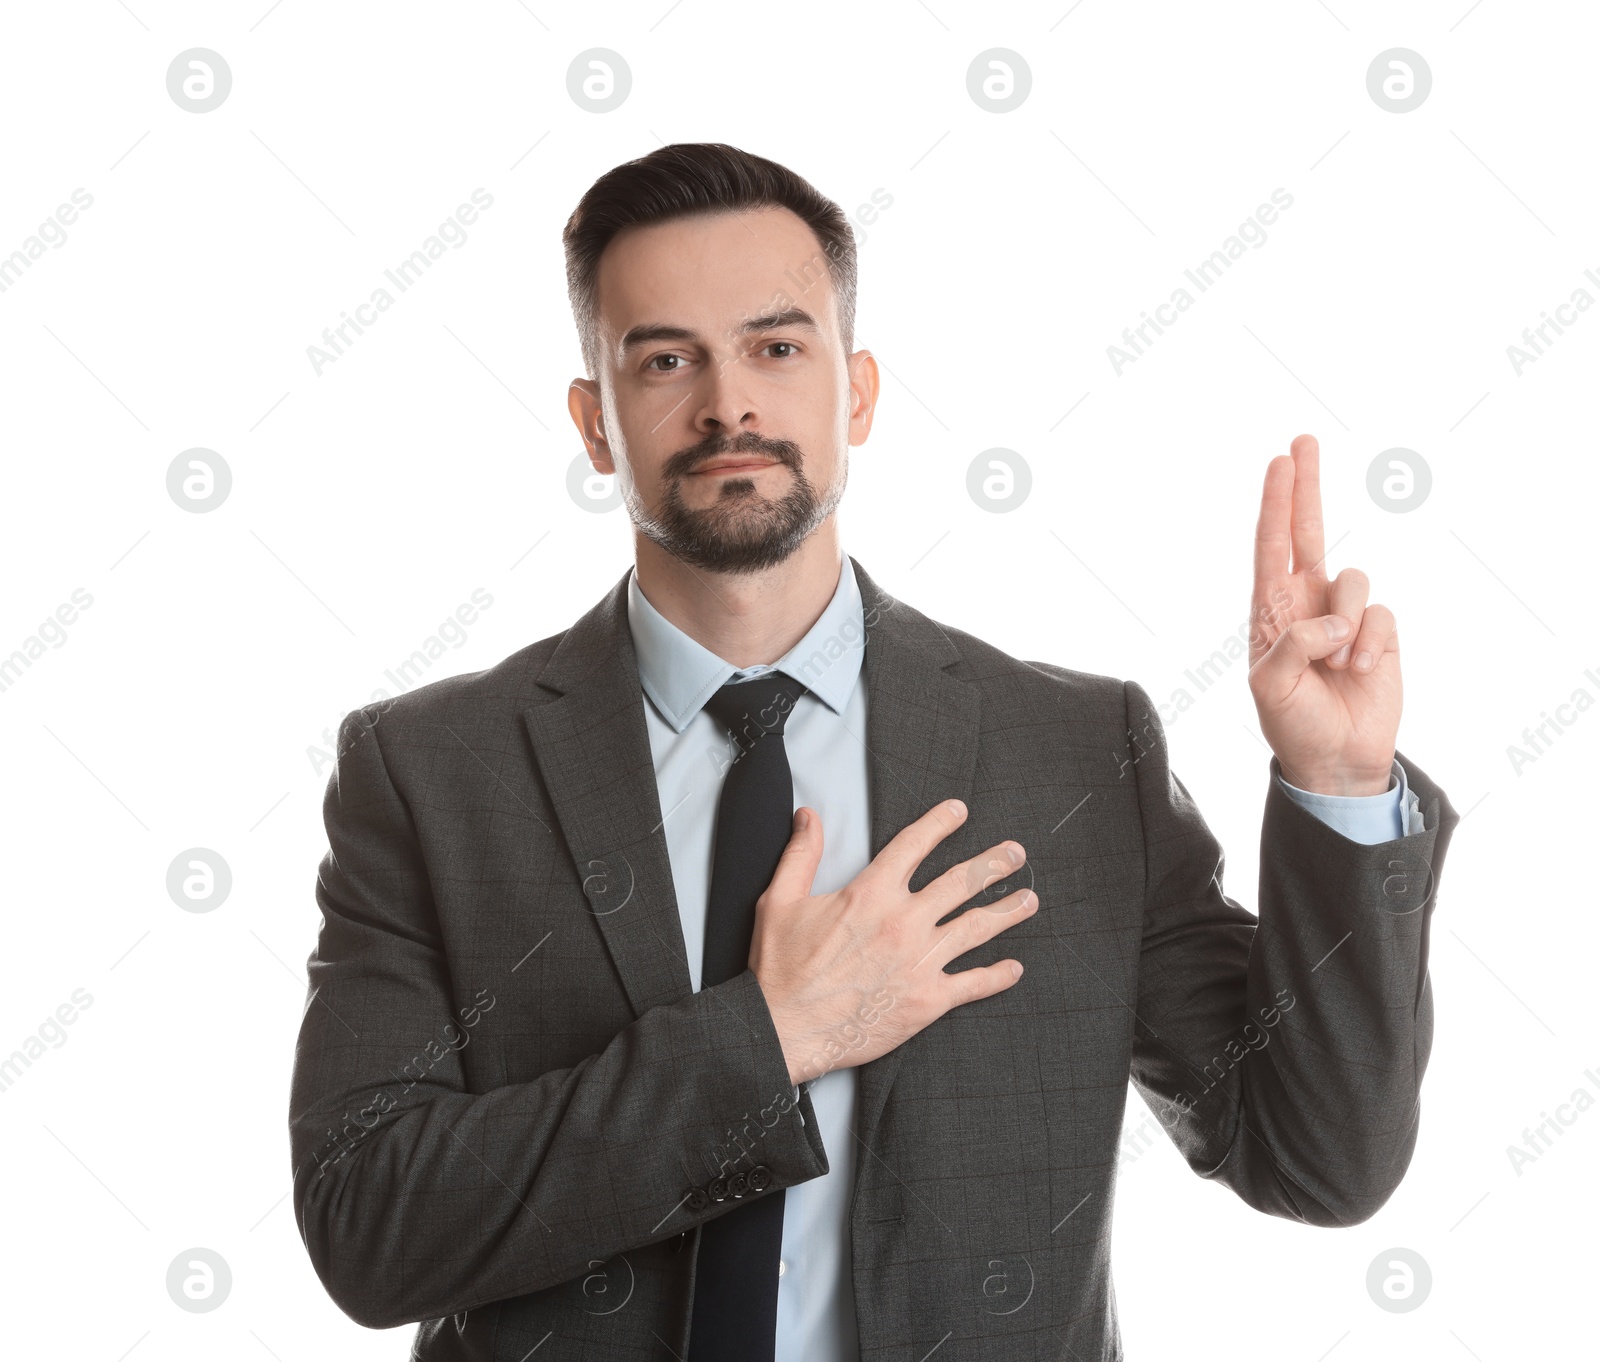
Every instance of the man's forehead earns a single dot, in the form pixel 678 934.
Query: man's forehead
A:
pixel 713 270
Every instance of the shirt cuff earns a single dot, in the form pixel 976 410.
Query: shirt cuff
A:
pixel 1368 819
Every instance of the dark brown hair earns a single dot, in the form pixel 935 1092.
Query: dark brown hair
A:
pixel 686 179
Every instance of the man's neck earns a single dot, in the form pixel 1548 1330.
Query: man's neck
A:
pixel 744 618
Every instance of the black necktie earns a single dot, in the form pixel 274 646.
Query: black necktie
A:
pixel 736 1277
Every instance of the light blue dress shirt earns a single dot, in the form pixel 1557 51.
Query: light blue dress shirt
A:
pixel 824 737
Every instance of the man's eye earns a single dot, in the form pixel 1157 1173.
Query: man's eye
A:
pixel 676 360
pixel 789 344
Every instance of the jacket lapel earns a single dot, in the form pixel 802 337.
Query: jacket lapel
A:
pixel 592 748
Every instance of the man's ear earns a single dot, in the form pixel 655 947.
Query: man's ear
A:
pixel 863 394
pixel 588 414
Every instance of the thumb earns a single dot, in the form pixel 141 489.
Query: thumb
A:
pixel 1301 644
pixel 797 866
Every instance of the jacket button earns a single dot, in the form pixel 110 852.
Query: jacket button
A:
pixel 718 1189
pixel 698 1200
pixel 760 1178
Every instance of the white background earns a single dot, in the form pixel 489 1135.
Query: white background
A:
pixel 184 706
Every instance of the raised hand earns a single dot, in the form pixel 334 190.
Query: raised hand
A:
pixel 1329 702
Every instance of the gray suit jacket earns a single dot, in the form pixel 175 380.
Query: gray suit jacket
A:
pixel 509 1109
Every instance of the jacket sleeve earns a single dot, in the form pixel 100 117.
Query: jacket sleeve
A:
pixel 418 1199
pixel 1284 1055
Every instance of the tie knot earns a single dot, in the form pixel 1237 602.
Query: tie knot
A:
pixel 755 708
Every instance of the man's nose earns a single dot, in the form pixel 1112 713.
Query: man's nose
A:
pixel 728 402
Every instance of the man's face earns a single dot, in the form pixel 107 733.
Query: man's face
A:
pixel 725 402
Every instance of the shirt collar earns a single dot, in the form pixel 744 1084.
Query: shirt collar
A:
pixel 680 675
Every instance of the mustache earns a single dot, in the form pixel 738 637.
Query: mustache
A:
pixel 685 461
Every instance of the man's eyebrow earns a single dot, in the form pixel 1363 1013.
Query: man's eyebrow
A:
pixel 774 321
pixel 767 321
pixel 653 331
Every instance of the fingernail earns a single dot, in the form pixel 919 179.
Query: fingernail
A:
pixel 1015 854
pixel 1338 658
pixel 956 807
pixel 1016 970
pixel 1363 661
pixel 1338 626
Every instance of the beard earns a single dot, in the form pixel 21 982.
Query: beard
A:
pixel 743 530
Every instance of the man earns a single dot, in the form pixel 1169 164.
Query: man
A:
pixel 608 1056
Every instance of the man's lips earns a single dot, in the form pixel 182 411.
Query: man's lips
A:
pixel 741 464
